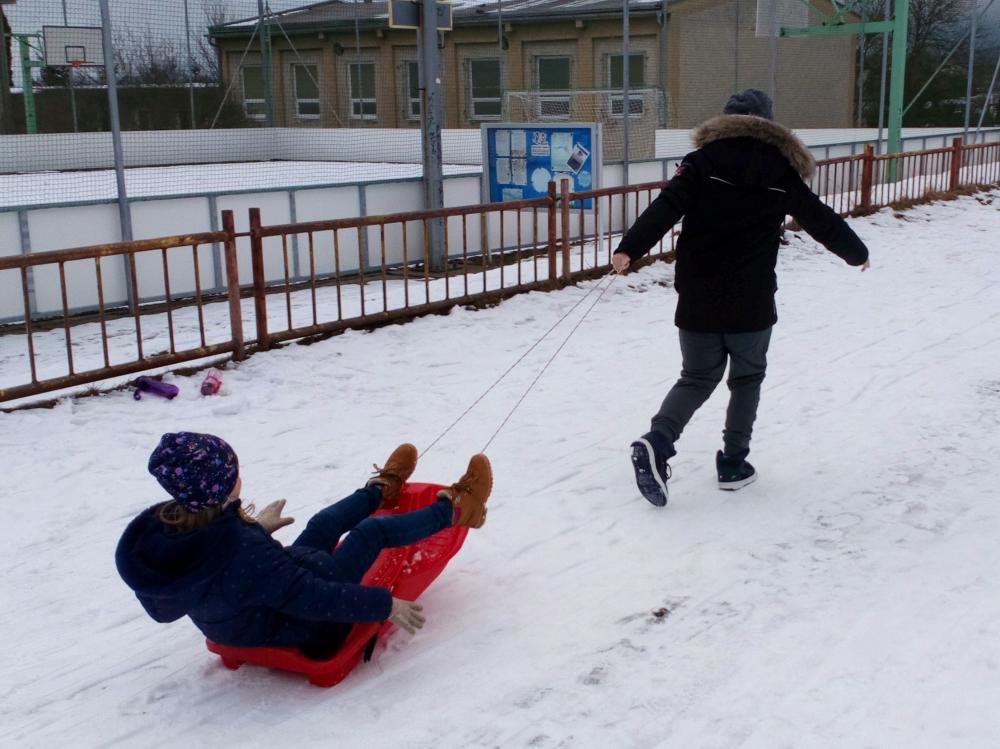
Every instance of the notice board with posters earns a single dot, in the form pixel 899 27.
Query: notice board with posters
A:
pixel 520 158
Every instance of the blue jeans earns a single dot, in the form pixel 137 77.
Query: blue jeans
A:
pixel 366 538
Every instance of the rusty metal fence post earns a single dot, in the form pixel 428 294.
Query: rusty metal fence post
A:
pixel 259 286
pixel 233 286
pixel 956 164
pixel 867 178
pixel 553 238
pixel 564 225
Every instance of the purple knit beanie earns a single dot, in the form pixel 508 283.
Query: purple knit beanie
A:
pixel 197 470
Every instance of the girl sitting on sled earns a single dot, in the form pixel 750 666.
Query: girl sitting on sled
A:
pixel 202 555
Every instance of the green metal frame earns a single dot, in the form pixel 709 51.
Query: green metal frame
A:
pixel 898 27
pixel 27 85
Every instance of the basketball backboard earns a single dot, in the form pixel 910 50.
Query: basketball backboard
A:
pixel 77 46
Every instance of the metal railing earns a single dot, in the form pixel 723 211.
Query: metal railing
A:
pixel 375 270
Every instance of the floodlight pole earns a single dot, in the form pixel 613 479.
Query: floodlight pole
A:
pixel 898 26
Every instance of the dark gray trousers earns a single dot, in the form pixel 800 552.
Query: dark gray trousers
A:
pixel 704 357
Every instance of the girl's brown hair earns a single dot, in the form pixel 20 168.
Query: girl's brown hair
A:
pixel 177 516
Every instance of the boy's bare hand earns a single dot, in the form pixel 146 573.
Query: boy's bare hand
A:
pixel 270 517
pixel 620 262
pixel 406 614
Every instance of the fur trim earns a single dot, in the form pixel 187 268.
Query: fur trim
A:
pixel 748 126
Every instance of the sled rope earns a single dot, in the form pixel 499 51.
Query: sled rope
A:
pixel 521 359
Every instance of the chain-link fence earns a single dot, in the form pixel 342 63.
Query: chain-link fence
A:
pixel 224 97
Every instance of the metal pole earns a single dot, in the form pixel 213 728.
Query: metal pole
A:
pixel 70 75
pixel 626 109
pixel 27 85
pixel 187 39
pixel 6 115
pixel 432 113
pixel 124 214
pixel 972 62
pixel 862 44
pixel 989 98
pixel 772 50
pixel 896 87
pixel 664 77
pixel 885 75
pixel 265 61
pixel 736 49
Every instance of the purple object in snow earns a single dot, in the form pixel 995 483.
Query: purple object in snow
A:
pixel 149 385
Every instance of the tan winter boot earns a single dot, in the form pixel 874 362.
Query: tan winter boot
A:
pixel 469 493
pixel 397 470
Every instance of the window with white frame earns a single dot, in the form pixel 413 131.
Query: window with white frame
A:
pixel 306 92
pixel 254 95
pixel 362 91
pixel 636 81
pixel 412 91
pixel 553 74
pixel 486 86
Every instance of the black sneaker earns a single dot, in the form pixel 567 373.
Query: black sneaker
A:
pixel 649 459
pixel 734 470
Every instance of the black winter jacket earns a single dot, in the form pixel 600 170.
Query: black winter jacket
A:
pixel 734 193
pixel 239 585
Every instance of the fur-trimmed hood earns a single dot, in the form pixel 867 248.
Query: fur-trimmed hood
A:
pixel 748 126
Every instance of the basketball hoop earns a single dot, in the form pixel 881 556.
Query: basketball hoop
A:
pixel 76 63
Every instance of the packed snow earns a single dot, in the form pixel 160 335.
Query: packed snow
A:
pixel 849 598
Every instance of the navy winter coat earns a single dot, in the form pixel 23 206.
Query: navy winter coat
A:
pixel 734 193
pixel 239 585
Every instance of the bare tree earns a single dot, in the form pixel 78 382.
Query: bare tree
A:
pixel 207 57
pixel 145 59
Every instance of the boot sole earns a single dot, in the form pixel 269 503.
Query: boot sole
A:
pixel 731 486
pixel 651 485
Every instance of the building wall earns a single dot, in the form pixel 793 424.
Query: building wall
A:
pixel 714 50
pixel 711 50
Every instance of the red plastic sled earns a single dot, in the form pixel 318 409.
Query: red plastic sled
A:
pixel 406 571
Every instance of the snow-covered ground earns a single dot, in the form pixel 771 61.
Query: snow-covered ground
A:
pixel 849 598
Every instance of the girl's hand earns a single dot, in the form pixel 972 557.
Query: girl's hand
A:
pixel 270 517
pixel 866 266
pixel 620 262
pixel 407 615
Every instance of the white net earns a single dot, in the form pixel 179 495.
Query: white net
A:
pixel 646 106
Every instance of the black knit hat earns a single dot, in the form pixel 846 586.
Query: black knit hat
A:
pixel 751 101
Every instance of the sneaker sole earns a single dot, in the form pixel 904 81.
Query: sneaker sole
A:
pixel 650 483
pixel 731 486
